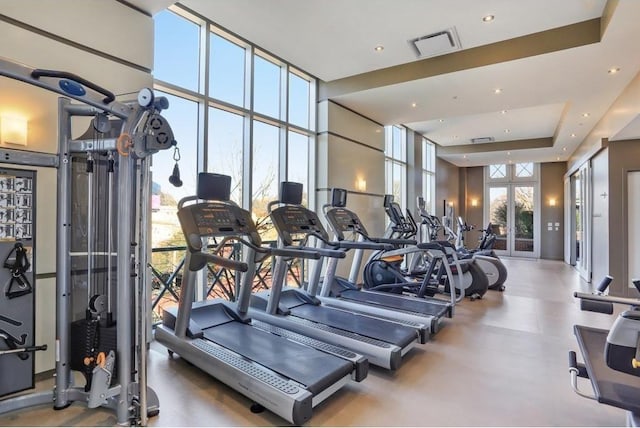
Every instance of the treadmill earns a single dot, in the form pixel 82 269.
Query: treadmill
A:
pixel 381 341
pixel 343 221
pixel 217 336
pixel 295 224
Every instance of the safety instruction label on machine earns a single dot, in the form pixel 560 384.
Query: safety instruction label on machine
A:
pixel 16 207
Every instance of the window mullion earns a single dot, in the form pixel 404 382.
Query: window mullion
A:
pixel 203 119
pixel 247 150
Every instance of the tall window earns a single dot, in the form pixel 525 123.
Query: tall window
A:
pixel 396 163
pixel 235 110
pixel 429 175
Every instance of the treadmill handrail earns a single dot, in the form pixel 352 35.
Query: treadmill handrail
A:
pixel 222 261
pixel 364 245
pixel 324 252
pixel 394 241
pixel 273 251
pixel 295 252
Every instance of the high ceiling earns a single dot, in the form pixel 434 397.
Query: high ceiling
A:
pixel 549 58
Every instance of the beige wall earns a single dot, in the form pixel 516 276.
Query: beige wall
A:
pixel 87 39
pixel 350 148
pixel 447 186
pixel 472 187
pixel 624 156
pixel 552 187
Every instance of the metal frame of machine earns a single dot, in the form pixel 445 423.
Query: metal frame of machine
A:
pixel 144 132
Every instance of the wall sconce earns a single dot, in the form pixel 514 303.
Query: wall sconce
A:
pixel 13 130
pixel 474 202
pixel 552 202
pixel 361 185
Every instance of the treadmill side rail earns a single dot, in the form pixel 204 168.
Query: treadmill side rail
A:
pixel 290 401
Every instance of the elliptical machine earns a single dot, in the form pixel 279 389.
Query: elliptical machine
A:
pixel 385 268
pixel 474 280
pixel 484 255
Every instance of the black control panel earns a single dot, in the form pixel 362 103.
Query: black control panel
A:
pixel 291 220
pixel 342 220
pixel 216 219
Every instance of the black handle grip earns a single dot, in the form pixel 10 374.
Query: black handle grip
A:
pixel 573 360
pixel 38 73
pixel 636 283
pixel 604 284
pixel 598 307
pixel 291 252
pixel 362 245
pixel 393 241
pixel 225 262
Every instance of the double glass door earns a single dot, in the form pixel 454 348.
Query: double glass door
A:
pixel 513 213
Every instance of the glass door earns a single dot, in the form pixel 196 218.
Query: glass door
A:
pixel 580 226
pixel 513 213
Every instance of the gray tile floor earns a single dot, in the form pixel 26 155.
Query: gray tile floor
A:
pixel 501 361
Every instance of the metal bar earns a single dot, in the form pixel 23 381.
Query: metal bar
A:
pixel 22 157
pixel 83 146
pixel 123 263
pixel 24 74
pixel 144 284
pixel 63 271
pixel 90 231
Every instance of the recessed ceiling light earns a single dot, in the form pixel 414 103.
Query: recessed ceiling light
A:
pixel 413 104
pixel 564 149
pixel 573 135
pixel 557 158
pixel 497 91
pixel 508 153
pixel 506 131
pixel 488 18
pixel 379 48
pixel 585 114
pixel 503 112
pixel 613 70
pixel 441 120
pixel 464 156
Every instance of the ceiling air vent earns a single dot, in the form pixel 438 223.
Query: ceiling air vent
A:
pixel 481 140
pixel 435 44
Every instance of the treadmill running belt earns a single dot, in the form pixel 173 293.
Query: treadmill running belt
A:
pixel 314 369
pixel 396 302
pixel 386 331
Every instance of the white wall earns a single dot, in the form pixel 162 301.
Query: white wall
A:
pixel 94 31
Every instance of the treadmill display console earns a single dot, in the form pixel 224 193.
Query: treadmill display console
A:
pixel 342 220
pixel 216 219
pixel 290 220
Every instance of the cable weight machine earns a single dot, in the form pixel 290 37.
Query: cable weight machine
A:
pixel 109 266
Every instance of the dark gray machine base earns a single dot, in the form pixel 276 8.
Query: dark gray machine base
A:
pixel 610 387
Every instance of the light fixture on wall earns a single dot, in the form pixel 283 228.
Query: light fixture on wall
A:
pixel 552 202
pixel 361 185
pixel 13 130
pixel 474 202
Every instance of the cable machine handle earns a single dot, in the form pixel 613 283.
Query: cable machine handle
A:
pixel 109 96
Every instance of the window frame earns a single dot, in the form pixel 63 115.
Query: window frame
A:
pixel 206 101
pixel 396 141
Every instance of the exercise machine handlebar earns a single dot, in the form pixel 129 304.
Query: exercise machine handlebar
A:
pixel 38 73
